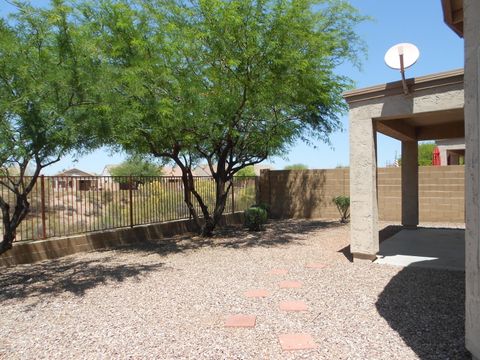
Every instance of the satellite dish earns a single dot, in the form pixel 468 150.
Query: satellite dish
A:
pixel 401 57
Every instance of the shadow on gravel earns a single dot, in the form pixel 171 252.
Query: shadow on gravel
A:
pixel 67 275
pixel 277 233
pixel 383 234
pixel 77 274
pixel 426 307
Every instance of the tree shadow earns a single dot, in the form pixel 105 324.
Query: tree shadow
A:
pixel 277 233
pixel 69 274
pixel 426 307
pixel 78 273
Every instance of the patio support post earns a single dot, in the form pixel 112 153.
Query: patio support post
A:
pixel 410 184
pixel 364 243
pixel 471 10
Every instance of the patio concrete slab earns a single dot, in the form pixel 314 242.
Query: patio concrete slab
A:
pixel 438 248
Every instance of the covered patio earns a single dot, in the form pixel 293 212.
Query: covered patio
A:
pixel 432 110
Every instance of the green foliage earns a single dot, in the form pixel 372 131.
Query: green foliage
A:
pixel 229 82
pixel 263 206
pixel 136 166
pixel 296 167
pixel 425 154
pixel 255 218
pixel 46 75
pixel 343 205
pixel 246 171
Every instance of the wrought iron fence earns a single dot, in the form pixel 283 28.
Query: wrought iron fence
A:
pixel 62 206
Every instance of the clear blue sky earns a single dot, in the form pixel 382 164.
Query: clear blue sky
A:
pixel 416 21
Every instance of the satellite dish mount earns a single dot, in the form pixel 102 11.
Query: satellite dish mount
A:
pixel 401 57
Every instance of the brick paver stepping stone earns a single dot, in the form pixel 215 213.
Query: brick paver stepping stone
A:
pixel 316 266
pixel 241 321
pixel 256 293
pixel 297 341
pixel 278 272
pixel 293 306
pixel 289 284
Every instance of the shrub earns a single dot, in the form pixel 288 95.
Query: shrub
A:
pixel 343 205
pixel 255 217
pixel 263 206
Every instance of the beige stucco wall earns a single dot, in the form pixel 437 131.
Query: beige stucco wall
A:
pixel 472 160
pixel 428 95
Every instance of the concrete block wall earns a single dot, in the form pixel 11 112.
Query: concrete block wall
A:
pixel 303 193
pixel 309 193
pixel 26 252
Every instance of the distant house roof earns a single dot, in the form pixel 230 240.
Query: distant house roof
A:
pixel 171 171
pixel 202 170
pixel 107 170
pixel 74 172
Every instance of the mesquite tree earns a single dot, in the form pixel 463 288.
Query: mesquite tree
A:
pixel 226 82
pixel 42 76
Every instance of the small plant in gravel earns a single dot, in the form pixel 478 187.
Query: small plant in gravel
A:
pixel 255 218
pixel 343 205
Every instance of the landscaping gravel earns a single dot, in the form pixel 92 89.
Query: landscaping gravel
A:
pixel 170 301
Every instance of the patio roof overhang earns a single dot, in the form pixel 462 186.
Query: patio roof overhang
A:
pixel 398 117
pixel 453 15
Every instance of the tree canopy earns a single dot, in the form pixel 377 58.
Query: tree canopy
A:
pixel 296 167
pixel 44 82
pixel 425 154
pixel 229 82
pixel 246 171
pixel 136 166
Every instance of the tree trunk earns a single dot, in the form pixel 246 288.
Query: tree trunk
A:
pixel 11 223
pixel 221 195
pixel 7 241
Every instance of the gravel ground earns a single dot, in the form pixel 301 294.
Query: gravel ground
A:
pixel 170 301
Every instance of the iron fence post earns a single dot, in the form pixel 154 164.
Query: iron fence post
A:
pixel 42 206
pixel 130 194
pixel 233 198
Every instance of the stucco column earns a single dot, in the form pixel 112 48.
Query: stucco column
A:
pixel 410 184
pixel 364 243
pixel 472 174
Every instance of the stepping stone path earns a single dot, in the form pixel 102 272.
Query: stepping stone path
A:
pixel 293 306
pixel 256 293
pixel 296 341
pixel 278 272
pixel 241 321
pixel 288 284
pixel 288 342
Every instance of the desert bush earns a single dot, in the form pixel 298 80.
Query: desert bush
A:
pixel 255 218
pixel 343 205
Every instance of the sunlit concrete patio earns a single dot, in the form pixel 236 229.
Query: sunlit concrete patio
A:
pixel 427 247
